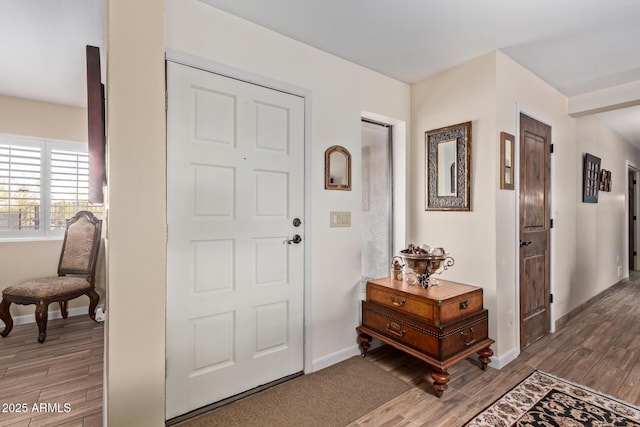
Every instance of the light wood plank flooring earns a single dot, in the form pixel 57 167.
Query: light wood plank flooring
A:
pixel 66 369
pixel 599 348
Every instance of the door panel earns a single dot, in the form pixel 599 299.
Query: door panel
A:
pixel 535 217
pixel 235 181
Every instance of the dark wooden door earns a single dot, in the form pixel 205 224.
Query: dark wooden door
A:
pixel 535 218
pixel 632 219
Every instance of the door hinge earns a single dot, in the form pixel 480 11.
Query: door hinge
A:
pixel 550 298
pixel 551 223
pixel 551 148
pixel 635 253
pixel 635 217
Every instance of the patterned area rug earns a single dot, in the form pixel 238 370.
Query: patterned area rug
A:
pixel 544 400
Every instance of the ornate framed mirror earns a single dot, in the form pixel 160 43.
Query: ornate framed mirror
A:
pixel 448 152
pixel 337 168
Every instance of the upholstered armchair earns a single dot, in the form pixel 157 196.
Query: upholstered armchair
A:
pixel 76 276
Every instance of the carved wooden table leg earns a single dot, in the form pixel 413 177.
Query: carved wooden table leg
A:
pixel 365 342
pixel 485 357
pixel 440 379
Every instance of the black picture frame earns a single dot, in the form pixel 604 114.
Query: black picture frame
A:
pixel 590 178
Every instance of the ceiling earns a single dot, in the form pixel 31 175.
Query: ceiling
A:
pixel 577 46
pixel 42 48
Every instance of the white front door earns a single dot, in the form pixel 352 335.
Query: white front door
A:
pixel 235 185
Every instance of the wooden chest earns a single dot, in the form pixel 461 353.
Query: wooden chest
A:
pixel 439 341
pixel 441 325
pixel 447 302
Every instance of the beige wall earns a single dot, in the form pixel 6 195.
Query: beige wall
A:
pixel 464 93
pixel 600 227
pixel 135 348
pixel 28 259
pixel 588 241
pixel 520 91
pixel 340 92
pixel 489 91
pixel 43 120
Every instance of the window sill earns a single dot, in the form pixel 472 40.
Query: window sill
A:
pixel 28 239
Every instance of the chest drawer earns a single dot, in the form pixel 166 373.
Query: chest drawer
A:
pixel 436 341
pixel 438 304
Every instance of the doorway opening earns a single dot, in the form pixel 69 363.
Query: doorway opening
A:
pixel 377 199
pixel 236 249
pixel 534 230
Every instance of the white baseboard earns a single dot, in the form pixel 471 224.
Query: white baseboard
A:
pixel 341 355
pixel 333 358
pixel 505 359
pixel 53 314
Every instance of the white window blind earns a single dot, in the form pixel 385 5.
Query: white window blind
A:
pixel 42 184
pixel 69 186
pixel 20 181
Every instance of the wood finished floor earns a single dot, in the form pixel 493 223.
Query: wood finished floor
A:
pixel 599 348
pixel 66 368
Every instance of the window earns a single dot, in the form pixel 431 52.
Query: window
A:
pixel 42 184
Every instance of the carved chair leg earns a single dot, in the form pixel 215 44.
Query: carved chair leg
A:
pixel 42 313
pixel 5 316
pixel 93 302
pixel 63 309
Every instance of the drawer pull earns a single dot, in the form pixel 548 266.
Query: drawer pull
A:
pixel 464 304
pixel 395 329
pixel 468 340
pixel 397 301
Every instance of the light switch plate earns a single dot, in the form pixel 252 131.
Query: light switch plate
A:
pixel 339 219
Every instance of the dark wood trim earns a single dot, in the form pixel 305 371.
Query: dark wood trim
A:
pixel 96 126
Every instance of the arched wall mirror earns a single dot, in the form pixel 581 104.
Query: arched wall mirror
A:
pixel 337 168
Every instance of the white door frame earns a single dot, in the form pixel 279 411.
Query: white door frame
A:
pixel 249 77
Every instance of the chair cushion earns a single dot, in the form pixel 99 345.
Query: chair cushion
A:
pixel 78 246
pixel 47 287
